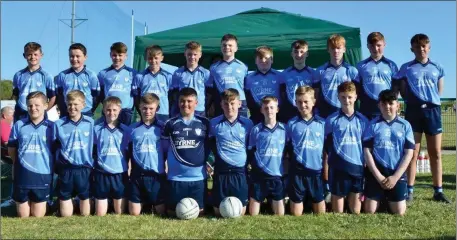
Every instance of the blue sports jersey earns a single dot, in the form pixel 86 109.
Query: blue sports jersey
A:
pixel 260 85
pixel 293 78
pixel 35 159
pixel 224 75
pixel 112 148
pixel 158 83
pixel 117 83
pixel 329 77
pixel 231 140
pixel 374 77
pixel 388 141
pixel 343 142
pixel 307 139
pixel 189 148
pixel 25 82
pixel 197 79
pixel 148 146
pixel 269 147
pixel 422 82
pixel 86 81
pixel 75 141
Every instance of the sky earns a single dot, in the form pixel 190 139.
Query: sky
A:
pixel 110 21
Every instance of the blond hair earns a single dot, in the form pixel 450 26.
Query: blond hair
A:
pixel 75 94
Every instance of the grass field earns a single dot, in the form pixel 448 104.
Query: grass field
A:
pixel 424 219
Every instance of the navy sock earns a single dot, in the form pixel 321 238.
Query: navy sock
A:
pixel 438 189
pixel 410 188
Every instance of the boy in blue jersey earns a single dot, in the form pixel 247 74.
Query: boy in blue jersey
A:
pixel 148 153
pixel 306 132
pixel 331 74
pixel 78 77
pixel 227 73
pixel 229 139
pixel 187 153
pixel 262 82
pixel 388 145
pixel 30 79
pixel 74 138
pixel 154 80
pixel 192 75
pixel 422 82
pixel 267 143
pixel 117 80
pixel 30 146
pixel 328 77
pixel 343 144
pixel 293 77
pixel 110 158
pixel 375 75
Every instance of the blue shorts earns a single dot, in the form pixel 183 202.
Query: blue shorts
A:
pixel 178 190
pixel 374 191
pixel 341 183
pixel 107 185
pixel 200 113
pixel 73 182
pixel 22 195
pixel 147 188
pixel 302 186
pixel 229 185
pixel 424 119
pixel 19 113
pixel 243 111
pixel 264 188
pixel 324 109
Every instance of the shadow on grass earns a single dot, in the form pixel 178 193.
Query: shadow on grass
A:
pixel 448 181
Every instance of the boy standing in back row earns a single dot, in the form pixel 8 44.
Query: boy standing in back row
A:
pixel 228 73
pixel 117 81
pixel 422 82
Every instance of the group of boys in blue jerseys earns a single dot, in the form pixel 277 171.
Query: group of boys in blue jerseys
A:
pixel 303 138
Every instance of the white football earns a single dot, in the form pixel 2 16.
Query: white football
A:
pixel 187 209
pixel 231 207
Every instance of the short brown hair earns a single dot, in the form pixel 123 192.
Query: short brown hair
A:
pixel 375 37
pixel 78 46
pixel 112 100
pixel 268 99
pixel 420 39
pixel 230 94
pixel 335 41
pixel 149 98
pixel 75 94
pixel 229 36
pixel 32 46
pixel 152 51
pixel 347 86
pixel 297 44
pixel 37 94
pixel 302 90
pixel 118 47
pixel 193 45
pixel 262 51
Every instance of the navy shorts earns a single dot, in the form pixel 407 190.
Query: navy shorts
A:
pixel 302 186
pixel 19 113
pixel 324 109
pixel 22 195
pixel 265 188
pixel 424 119
pixel 229 185
pixel 73 182
pixel 341 183
pixel 147 188
pixel 373 190
pixel 178 190
pixel 107 185
pixel 243 111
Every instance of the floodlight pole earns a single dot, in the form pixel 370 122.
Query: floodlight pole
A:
pixel 73 21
